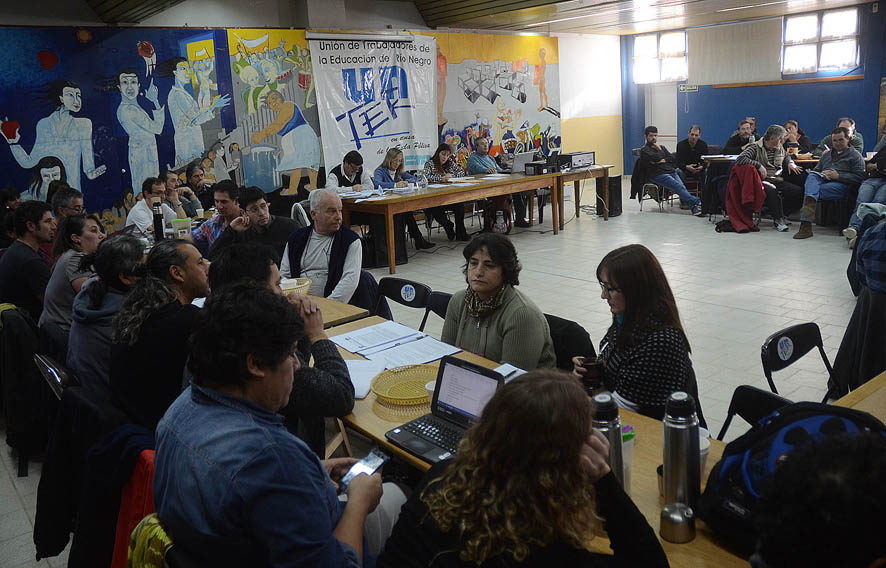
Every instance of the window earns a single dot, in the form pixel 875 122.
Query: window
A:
pixel 660 58
pixel 824 41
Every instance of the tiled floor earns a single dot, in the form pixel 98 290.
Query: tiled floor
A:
pixel 732 291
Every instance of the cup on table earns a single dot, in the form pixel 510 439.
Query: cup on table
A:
pixel 200 213
pixel 430 388
pixel 591 373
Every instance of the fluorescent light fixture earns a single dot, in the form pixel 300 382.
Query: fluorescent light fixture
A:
pixel 363 37
pixel 558 20
pixel 753 6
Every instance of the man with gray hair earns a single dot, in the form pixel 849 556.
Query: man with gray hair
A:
pixel 327 252
pixel 768 156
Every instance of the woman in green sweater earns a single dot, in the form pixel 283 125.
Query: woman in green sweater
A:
pixel 491 318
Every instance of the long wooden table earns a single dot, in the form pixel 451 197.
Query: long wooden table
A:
pixel 869 397
pixel 704 550
pixel 576 177
pixel 435 197
pixel 337 313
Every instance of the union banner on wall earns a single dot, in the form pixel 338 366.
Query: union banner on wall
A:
pixel 374 95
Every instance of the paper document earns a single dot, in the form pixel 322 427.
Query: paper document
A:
pixel 509 372
pixel 373 336
pixel 461 178
pixel 462 184
pixel 362 372
pixel 423 350
pixel 496 176
pixel 364 193
pixel 376 198
pixel 819 174
pixel 436 185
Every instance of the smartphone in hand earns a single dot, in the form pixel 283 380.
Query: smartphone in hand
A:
pixel 368 465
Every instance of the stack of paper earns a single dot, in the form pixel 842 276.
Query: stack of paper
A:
pixel 393 345
pixel 362 372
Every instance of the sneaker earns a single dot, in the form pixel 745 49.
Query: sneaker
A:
pixel 851 234
pixel 696 210
pixel 781 225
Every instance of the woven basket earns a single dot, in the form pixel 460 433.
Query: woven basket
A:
pixel 292 286
pixel 404 386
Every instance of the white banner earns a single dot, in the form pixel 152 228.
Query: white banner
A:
pixel 373 95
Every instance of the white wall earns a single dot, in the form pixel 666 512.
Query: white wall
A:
pixel 590 76
pixel 48 12
pixel 381 14
pixel 226 13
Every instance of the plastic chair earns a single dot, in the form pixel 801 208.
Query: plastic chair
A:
pixel 783 348
pixel 297 213
pixel 405 292
pixel 438 302
pixel 752 404
pixel 57 377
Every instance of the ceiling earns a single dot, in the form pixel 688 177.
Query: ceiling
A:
pixel 605 17
pixel 129 11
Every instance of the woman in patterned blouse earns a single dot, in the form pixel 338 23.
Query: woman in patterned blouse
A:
pixel 440 169
pixel 645 352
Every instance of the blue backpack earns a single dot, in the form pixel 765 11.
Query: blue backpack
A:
pixel 733 489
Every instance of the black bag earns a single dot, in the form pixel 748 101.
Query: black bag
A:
pixel 724 226
pixel 375 246
pixel 733 490
pixel 491 209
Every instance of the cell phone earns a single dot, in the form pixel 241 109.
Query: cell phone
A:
pixel 368 465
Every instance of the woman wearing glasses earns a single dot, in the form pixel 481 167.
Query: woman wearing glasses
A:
pixel 645 352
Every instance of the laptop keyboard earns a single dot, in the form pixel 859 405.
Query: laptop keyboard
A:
pixel 435 431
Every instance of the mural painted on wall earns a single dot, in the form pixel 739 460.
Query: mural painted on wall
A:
pixel 274 98
pixel 503 88
pixel 104 108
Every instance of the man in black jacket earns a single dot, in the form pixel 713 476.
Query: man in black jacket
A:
pixel 660 169
pixel 256 225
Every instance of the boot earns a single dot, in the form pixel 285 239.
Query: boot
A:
pixel 461 234
pixel 805 230
pixel 807 213
pixel 422 243
pixel 450 230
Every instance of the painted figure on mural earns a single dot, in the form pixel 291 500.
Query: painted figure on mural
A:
pixel 47 170
pixel 302 61
pixel 186 115
pixel 204 68
pixel 60 134
pixel 219 164
pixel 235 158
pixel 540 80
pixel 442 72
pixel 299 144
pixel 255 90
pixel 142 129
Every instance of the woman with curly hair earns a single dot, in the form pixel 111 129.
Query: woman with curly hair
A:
pixel 528 487
pixel 151 330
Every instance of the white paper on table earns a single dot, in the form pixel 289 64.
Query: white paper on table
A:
pixel 462 184
pixel 362 372
pixel 461 178
pixel 495 176
pixel 436 185
pixel 423 350
pixel 509 372
pixel 376 198
pixel 366 338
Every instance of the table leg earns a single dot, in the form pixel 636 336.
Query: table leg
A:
pixel 556 196
pixel 389 226
pixel 605 194
pixel 561 204
pixel 531 206
pixel 576 192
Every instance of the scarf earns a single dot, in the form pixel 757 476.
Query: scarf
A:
pixel 478 307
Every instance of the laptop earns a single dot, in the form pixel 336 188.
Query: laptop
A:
pixel 520 161
pixel 461 393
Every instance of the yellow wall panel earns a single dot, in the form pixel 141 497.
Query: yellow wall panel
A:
pixel 600 134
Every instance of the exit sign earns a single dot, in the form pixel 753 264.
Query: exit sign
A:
pixel 688 88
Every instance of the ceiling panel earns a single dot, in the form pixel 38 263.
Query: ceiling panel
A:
pixel 129 11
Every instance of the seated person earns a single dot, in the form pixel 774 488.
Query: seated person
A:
pixel 440 168
pixel 319 391
pixel 350 174
pixel 796 135
pixel 660 170
pixel 177 193
pixel 232 486
pixel 870 259
pixel 689 153
pixel 739 140
pixel 480 162
pixel 855 138
pixel 226 195
pixel 66 201
pixel 151 330
pixel 24 271
pixel 142 214
pixel 198 186
pixel 824 506
pixel 871 190
pixel 837 169
pixel 645 352
pixel 78 236
pixel 256 225
pixel 491 318
pixel 540 470
pixel 7 229
pixel 768 156
pixel 118 263
pixel 391 174
pixel 10 199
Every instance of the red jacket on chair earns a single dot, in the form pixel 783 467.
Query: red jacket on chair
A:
pixel 744 196
pixel 136 503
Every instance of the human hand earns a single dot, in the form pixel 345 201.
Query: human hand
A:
pixel 186 192
pixel 256 138
pixel 241 223
pixel 762 171
pixel 15 127
pixel 365 491
pixel 870 166
pixel 337 467
pixel 831 174
pixel 221 101
pixel 446 177
pixel 577 369
pixel 401 183
pixel 153 94
pixel 593 454
pixel 312 317
pixel 794 168
pixel 490 171
pixel 357 187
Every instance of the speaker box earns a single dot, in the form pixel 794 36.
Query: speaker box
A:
pixel 614 196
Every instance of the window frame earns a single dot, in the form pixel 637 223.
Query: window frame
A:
pixel 658 57
pixel 818 42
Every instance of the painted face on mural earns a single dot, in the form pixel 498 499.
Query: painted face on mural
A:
pixel 250 76
pixel 275 102
pixel 182 71
pixel 70 99
pixel 50 174
pixel 268 70
pixel 129 86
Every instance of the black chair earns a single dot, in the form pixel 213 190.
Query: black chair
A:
pixel 405 292
pixel 438 302
pixel 752 404
pixel 570 340
pixel 57 376
pixel 783 348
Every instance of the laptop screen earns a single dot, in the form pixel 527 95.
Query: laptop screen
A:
pixel 462 393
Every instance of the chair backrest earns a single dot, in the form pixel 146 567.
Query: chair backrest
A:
pixel 570 340
pixel 635 152
pixel 57 376
pixel 438 302
pixel 299 216
pixel 752 404
pixel 784 347
pixel 406 292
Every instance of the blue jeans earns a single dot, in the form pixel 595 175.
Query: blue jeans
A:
pixel 817 188
pixel 872 190
pixel 673 182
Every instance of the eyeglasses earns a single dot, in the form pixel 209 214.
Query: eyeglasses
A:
pixel 76 210
pixel 608 289
pixel 254 209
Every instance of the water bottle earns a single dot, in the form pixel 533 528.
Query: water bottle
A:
pixel 158 222
pixel 607 422
pixel 682 471
pixel 500 226
pixel 421 181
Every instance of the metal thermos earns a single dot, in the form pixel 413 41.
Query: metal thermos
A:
pixel 682 475
pixel 607 422
pixel 158 222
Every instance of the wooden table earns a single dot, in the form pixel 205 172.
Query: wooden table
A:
pixel 576 176
pixel 337 313
pixel 869 397
pixel 704 550
pixel 435 197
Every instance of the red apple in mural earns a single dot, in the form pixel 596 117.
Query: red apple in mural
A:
pixel 9 129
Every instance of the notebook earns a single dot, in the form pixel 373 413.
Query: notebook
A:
pixel 461 393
